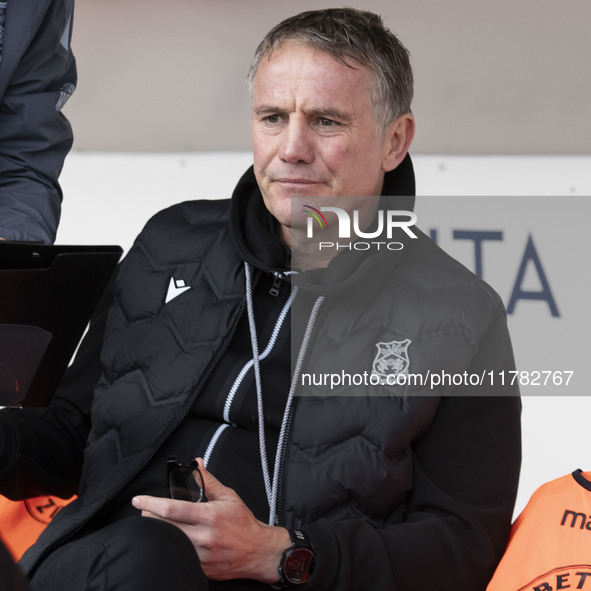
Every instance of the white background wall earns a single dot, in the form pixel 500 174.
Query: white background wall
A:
pixel 494 77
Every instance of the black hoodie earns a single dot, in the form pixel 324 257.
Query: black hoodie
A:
pixel 403 486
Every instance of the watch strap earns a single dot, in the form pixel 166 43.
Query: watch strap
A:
pixel 301 550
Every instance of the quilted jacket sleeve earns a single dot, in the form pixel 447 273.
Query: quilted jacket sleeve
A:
pixel 457 518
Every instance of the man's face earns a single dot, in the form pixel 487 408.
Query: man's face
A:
pixel 314 133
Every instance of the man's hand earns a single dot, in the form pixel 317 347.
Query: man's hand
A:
pixel 230 542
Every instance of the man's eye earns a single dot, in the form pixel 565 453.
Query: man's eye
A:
pixel 325 122
pixel 272 119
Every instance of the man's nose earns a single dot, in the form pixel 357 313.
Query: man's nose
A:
pixel 297 142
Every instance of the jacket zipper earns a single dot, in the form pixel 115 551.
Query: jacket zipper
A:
pixel 280 501
pixel 277 282
pixel 280 505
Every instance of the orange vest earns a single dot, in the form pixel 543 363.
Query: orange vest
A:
pixel 21 522
pixel 550 543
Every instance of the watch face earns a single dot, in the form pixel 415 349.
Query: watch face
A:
pixel 297 565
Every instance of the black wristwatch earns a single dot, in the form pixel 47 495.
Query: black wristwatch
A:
pixel 296 563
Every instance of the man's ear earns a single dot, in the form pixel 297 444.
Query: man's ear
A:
pixel 398 138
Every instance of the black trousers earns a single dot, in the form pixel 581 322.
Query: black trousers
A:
pixel 12 578
pixel 134 554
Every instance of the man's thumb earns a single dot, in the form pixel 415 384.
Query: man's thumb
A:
pixel 214 489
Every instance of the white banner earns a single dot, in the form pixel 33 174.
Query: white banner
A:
pixel 534 251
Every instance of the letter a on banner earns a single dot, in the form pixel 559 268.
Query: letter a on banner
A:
pixel 531 254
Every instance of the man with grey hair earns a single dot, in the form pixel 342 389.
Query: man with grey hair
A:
pixel 372 481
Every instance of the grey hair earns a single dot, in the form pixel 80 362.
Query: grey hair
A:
pixel 350 34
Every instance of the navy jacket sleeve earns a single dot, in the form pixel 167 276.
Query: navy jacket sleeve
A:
pixel 37 75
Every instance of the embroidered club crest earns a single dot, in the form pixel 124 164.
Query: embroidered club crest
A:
pixel 392 358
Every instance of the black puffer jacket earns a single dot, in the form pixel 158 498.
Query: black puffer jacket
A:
pixel 399 487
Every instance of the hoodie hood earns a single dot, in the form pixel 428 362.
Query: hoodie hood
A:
pixel 253 229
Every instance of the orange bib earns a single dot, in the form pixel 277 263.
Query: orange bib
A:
pixel 21 522
pixel 550 543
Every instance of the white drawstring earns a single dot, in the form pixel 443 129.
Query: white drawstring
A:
pixel 212 443
pixel 271 488
pixel 257 380
pixel 265 353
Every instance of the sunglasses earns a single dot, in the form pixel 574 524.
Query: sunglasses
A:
pixel 185 482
